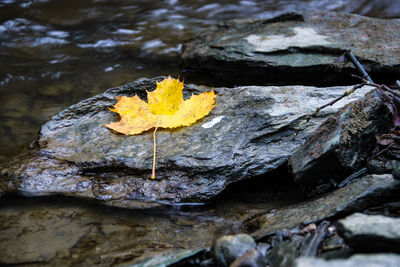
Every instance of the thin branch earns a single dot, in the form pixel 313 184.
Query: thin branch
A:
pixel 383 150
pixel 350 56
pixel 318 109
pixel 352 90
pixel 381 86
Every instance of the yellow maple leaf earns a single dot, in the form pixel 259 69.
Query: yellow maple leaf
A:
pixel 165 108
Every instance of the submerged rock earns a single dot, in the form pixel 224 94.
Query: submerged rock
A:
pixel 396 170
pixel 165 258
pixel 69 232
pixel 369 190
pixel 252 258
pixel 365 260
pixel 293 48
pixel 304 244
pixel 285 253
pixel 343 144
pixel 248 133
pixel 372 233
pixel 231 247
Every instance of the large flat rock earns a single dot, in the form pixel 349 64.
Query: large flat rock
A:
pixel 294 48
pixel 248 133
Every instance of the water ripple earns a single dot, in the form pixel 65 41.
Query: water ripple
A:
pixel 49 46
pixel 103 44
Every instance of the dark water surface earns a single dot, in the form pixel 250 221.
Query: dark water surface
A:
pixel 65 231
pixel 54 53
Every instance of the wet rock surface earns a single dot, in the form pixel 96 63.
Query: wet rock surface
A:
pixel 284 253
pixel 160 235
pixel 231 247
pixel 283 243
pixel 249 133
pixel 67 232
pixel 367 191
pixel 164 258
pixel 371 233
pixel 252 258
pixel 293 48
pixel 368 260
pixel 310 241
pixel 343 144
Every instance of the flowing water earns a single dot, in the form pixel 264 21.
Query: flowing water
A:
pixel 63 231
pixel 54 53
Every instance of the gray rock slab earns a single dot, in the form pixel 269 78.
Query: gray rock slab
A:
pixel 248 133
pixel 369 190
pixel 295 47
pixel 343 144
pixel 367 260
pixel 371 232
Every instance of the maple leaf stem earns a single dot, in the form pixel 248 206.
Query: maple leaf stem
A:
pixel 165 108
pixel 153 173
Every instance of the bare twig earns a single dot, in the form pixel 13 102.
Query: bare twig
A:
pixel 387 94
pixel 390 95
pixel 383 150
pixel 385 87
pixel 350 56
pixel 379 86
pixel 352 90
pixel 318 109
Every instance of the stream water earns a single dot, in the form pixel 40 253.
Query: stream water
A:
pixel 54 53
